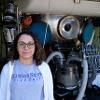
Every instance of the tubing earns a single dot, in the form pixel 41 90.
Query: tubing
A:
pixel 85 74
pixel 85 71
pixel 56 53
pixel 85 79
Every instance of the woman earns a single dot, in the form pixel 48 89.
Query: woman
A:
pixel 26 76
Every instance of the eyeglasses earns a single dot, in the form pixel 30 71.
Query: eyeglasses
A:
pixel 22 44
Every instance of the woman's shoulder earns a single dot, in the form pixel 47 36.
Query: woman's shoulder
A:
pixel 44 65
pixel 5 67
pixel 7 64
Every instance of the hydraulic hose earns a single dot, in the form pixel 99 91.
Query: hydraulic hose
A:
pixel 85 74
pixel 85 70
pixel 84 79
pixel 56 53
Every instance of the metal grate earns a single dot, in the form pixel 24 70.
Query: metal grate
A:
pixel 93 59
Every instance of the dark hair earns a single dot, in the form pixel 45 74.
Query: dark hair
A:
pixel 39 54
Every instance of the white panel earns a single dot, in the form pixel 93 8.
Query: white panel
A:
pixel 85 8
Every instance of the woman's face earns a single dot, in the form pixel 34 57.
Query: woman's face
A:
pixel 26 47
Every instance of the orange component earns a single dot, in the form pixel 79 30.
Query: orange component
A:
pixel 27 21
